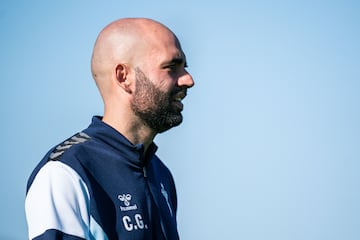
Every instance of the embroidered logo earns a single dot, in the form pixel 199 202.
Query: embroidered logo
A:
pixel 131 222
pixel 166 196
pixel 126 198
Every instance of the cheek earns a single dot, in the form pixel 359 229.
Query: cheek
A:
pixel 166 85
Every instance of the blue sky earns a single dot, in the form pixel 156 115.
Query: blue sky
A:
pixel 269 147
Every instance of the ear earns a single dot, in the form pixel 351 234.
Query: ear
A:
pixel 122 77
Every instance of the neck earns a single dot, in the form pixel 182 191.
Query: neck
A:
pixel 133 129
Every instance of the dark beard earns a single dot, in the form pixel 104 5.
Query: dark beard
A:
pixel 153 106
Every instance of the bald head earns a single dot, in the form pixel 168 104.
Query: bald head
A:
pixel 125 41
pixel 139 68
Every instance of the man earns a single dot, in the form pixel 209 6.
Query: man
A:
pixel 106 182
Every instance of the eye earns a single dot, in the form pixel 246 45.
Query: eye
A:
pixel 176 65
pixel 171 67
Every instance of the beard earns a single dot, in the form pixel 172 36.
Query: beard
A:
pixel 153 106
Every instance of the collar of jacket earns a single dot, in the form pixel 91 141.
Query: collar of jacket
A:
pixel 100 131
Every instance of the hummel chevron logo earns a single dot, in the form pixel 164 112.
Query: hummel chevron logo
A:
pixel 76 139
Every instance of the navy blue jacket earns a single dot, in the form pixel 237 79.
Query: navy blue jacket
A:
pixel 98 185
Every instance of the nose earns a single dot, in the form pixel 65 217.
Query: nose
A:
pixel 186 80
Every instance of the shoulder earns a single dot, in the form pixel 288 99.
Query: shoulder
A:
pixel 69 146
pixel 58 183
pixel 57 191
pixel 65 152
pixel 59 174
pixel 161 171
pixel 160 165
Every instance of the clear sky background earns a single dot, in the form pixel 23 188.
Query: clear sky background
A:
pixel 270 144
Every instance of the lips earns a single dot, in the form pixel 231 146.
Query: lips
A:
pixel 177 98
pixel 179 95
pixel 178 104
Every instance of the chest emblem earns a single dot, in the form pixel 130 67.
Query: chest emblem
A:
pixel 125 199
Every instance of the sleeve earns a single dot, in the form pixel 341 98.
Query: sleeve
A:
pixel 57 204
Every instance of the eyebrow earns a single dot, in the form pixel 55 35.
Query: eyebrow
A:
pixel 177 61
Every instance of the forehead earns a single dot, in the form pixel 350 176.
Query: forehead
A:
pixel 165 47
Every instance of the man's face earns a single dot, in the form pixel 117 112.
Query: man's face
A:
pixel 161 81
pixel 159 109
